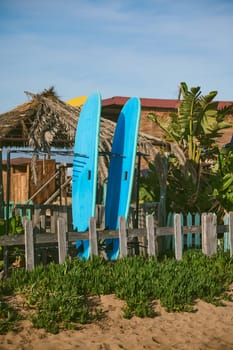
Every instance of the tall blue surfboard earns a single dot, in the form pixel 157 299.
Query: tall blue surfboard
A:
pixel 85 167
pixel 121 170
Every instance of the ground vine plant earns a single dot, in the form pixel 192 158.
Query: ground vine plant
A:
pixel 58 296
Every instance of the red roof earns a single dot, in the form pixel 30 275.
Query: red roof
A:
pixel 152 102
pixel 222 104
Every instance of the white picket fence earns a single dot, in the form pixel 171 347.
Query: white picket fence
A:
pixel 194 240
pixel 190 240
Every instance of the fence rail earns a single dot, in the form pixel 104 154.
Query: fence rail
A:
pixel 209 231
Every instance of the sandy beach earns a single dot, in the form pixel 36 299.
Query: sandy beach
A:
pixel 209 327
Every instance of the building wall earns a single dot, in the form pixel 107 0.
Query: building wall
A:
pixel 149 127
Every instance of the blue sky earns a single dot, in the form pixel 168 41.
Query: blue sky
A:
pixel 119 48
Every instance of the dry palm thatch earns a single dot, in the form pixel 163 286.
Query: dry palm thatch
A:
pixel 43 121
pixel 47 121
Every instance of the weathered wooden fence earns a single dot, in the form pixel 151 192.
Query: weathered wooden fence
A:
pixel 44 216
pixel 208 231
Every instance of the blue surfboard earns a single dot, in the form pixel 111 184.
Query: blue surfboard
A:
pixel 85 167
pixel 121 170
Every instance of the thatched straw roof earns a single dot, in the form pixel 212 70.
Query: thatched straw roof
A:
pixel 47 121
pixel 43 121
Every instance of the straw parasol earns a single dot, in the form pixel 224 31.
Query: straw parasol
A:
pixel 45 121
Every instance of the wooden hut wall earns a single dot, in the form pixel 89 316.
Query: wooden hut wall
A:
pixel 45 169
pixel 21 180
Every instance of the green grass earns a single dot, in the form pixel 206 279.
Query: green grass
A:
pixel 59 294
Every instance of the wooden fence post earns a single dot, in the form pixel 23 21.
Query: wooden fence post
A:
pixel 203 236
pixel 93 237
pixel 150 235
pixel 53 219
pixel 122 237
pixel 63 213
pixel 209 234
pixel 36 219
pixel 29 245
pixel 61 238
pixel 178 236
pixel 230 223
pixel 43 219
